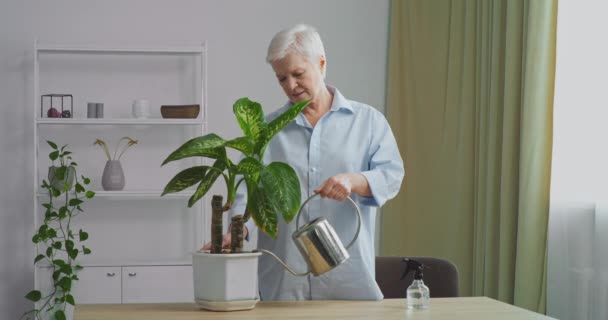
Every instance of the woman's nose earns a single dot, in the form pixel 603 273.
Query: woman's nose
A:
pixel 291 83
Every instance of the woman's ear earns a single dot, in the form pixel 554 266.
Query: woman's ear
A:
pixel 322 63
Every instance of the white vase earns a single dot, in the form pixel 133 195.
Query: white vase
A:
pixel 225 282
pixel 113 177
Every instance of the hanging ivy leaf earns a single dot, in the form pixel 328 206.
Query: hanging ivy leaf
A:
pixel 54 155
pixel 38 258
pixel 33 295
pixel 69 299
pixel 59 315
pixel 74 202
pixel 83 235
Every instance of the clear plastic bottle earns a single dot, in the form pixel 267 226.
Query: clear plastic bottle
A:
pixel 418 294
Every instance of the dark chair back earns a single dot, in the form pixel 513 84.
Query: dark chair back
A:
pixel 441 277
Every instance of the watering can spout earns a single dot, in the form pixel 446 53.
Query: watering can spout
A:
pixel 319 244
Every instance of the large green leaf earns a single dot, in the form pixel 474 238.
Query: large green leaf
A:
pixel 185 179
pixel 282 187
pixel 243 144
pixel 249 165
pixel 281 122
pixel 263 214
pixel 207 182
pixel 250 117
pixel 210 146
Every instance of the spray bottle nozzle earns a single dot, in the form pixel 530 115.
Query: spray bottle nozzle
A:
pixel 413 265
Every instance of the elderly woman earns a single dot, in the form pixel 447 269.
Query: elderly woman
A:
pixel 338 148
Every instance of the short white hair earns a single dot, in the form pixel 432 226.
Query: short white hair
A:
pixel 301 39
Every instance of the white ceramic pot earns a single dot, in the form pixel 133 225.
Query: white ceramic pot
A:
pixel 225 282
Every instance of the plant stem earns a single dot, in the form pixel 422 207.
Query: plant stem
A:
pixel 236 244
pixel 216 224
pixel 116 149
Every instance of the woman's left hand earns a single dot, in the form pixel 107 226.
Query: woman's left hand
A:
pixel 337 187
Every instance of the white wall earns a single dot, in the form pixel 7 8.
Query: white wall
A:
pixel 580 148
pixel 238 32
pixel 577 275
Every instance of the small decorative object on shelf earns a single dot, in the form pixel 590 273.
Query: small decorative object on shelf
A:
pixel 188 111
pixel 99 110
pixel 141 108
pixel 94 110
pixel 113 177
pixel 53 112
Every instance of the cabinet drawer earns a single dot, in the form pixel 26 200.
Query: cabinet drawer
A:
pixel 157 284
pixel 98 285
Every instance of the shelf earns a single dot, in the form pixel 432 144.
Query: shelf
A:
pixel 190 50
pixel 154 121
pixel 136 227
pixel 151 194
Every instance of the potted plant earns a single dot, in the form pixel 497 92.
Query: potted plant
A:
pixel 61 177
pixel 271 189
pixel 113 177
pixel 57 244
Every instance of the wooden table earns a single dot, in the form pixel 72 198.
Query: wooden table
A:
pixel 470 308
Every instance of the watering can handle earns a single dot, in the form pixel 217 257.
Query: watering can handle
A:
pixel 351 202
pixel 298 227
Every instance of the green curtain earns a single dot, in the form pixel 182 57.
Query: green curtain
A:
pixel 470 100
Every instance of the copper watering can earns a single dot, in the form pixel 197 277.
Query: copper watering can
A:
pixel 319 244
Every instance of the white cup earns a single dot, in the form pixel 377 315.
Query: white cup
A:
pixel 141 108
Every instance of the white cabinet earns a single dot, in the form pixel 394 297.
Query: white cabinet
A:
pixel 157 284
pixel 98 285
pixel 129 284
pixel 141 243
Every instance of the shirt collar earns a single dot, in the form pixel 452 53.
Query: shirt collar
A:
pixel 339 103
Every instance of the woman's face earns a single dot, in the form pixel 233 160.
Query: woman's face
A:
pixel 299 78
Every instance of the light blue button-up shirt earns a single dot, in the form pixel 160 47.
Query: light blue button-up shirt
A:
pixel 351 137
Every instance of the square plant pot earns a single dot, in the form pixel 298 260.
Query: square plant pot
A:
pixel 225 282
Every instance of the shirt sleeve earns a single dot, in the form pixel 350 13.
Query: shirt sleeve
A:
pixel 386 170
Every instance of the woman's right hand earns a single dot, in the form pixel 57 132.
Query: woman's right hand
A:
pixel 226 239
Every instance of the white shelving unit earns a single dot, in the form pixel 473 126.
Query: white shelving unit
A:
pixel 141 242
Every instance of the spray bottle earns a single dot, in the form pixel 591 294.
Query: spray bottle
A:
pixel 418 295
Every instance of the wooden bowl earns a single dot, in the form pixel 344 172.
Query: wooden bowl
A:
pixel 185 111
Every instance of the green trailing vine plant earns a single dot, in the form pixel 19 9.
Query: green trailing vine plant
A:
pixel 57 244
